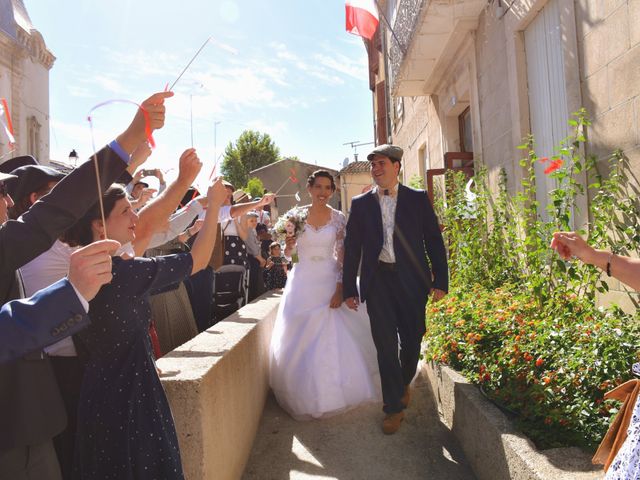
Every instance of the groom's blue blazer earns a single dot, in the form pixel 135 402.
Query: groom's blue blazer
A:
pixel 416 236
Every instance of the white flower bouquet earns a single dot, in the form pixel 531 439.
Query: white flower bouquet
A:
pixel 291 224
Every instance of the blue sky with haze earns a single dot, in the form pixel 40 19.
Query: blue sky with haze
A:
pixel 297 74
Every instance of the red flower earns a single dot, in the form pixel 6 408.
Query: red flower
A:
pixel 555 165
pixel 539 362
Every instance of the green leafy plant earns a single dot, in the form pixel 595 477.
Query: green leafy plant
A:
pixel 520 321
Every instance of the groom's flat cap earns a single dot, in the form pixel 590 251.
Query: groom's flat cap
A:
pixel 392 151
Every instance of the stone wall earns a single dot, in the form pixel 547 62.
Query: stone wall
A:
pixel 609 44
pixel 217 385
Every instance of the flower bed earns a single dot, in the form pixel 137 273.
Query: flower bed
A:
pixel 550 369
pixel 520 321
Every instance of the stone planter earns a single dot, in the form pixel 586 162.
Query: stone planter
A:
pixel 493 447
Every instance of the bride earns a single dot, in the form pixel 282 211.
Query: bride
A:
pixel 323 361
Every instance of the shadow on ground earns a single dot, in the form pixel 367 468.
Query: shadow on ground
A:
pixel 351 446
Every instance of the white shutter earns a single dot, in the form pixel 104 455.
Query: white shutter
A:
pixel 547 90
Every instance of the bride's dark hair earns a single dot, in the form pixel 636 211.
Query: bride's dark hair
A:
pixel 321 173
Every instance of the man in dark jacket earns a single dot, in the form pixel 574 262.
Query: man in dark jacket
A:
pixel 393 229
pixel 31 410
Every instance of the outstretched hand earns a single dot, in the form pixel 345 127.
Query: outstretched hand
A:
pixel 90 267
pixel 152 109
pixel 154 106
pixel 190 166
pixel 217 193
pixel 569 244
pixel 266 199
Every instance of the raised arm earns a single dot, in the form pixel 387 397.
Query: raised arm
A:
pixel 205 241
pixel 54 213
pixel 625 269
pixel 158 211
pixel 240 209
pixel 178 223
pixel 59 310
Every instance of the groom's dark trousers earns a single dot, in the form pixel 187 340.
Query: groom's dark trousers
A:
pixel 395 293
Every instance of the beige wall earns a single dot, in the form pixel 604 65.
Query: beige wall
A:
pixel 609 42
pixel 351 184
pixel 418 128
pixel 217 385
pixel 601 51
pixel 24 82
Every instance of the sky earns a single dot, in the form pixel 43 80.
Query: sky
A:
pixel 283 67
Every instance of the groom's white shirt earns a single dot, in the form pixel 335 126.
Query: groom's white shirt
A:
pixel 388 204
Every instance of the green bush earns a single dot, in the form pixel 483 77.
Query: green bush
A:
pixel 523 323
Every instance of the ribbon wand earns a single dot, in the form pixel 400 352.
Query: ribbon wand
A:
pixel 188 64
pixel 291 178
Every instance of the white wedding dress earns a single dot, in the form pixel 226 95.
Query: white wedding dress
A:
pixel 323 360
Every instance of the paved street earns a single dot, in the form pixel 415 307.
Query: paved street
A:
pixel 351 446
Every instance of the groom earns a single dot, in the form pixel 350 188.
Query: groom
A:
pixel 393 229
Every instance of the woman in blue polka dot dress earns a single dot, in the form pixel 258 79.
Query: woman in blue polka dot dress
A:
pixel 125 426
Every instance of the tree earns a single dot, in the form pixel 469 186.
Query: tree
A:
pixel 252 150
pixel 254 187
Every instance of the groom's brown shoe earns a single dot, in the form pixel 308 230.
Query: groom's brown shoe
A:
pixel 406 397
pixel 391 423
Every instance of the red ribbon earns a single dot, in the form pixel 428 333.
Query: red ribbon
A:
pixel 9 125
pixel 147 121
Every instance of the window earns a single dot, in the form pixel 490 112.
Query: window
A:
pixel 33 129
pixel 464 125
pixel 548 111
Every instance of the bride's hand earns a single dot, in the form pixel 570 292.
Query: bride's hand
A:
pixel 336 299
pixel 290 244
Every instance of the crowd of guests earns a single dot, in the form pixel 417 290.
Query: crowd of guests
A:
pixel 95 291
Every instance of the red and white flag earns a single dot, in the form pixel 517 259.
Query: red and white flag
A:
pixel 362 17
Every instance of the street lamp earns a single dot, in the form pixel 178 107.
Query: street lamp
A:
pixel 73 157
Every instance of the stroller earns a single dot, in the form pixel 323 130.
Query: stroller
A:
pixel 231 290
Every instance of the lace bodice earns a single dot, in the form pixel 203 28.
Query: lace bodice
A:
pixel 324 243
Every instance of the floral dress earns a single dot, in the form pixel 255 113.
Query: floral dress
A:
pixel 275 277
pixel 626 465
pixel 235 250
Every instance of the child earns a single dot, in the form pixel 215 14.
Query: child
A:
pixel 275 271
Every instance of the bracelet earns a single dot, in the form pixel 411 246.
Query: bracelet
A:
pixel 609 264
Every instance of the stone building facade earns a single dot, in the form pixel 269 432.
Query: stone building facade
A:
pixel 25 62
pixel 466 81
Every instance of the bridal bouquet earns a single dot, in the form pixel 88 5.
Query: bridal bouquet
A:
pixel 289 225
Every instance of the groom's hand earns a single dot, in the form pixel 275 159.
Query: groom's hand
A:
pixel 352 303
pixel 437 294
